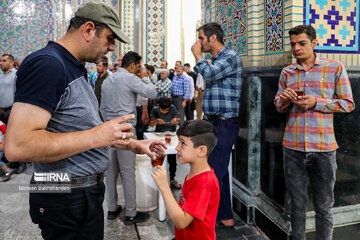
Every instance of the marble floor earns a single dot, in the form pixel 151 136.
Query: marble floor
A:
pixel 15 223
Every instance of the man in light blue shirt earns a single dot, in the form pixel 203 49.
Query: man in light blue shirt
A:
pixel 180 92
pixel 7 86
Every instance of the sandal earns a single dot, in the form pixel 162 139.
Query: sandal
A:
pixel 222 225
pixel 175 184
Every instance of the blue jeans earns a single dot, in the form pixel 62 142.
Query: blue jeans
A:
pixel 227 131
pixel 177 101
pixel 320 167
pixel 1 162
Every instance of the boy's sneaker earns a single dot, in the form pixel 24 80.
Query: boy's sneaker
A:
pixel 114 214
pixel 139 217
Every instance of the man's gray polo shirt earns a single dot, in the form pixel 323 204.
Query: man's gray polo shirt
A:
pixel 55 80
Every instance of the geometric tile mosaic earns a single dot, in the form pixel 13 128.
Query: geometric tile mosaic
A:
pixel 115 54
pixel 208 7
pixel 274 26
pixel 128 24
pixel 26 26
pixel 155 32
pixel 336 23
pixel 232 16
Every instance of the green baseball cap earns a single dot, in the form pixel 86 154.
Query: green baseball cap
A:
pixel 102 13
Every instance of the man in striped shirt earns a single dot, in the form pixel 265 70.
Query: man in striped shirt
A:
pixel 221 105
pixel 164 85
pixel 180 92
pixel 312 89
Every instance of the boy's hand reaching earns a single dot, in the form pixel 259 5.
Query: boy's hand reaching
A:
pixel 175 120
pixel 160 121
pixel 161 178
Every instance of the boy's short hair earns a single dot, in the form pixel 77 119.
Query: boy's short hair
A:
pixel 164 102
pixel 200 132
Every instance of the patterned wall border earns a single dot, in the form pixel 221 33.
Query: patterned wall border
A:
pixel 128 20
pixel 274 26
pixel 310 17
pixel 155 31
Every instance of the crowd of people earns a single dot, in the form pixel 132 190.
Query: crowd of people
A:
pixel 62 118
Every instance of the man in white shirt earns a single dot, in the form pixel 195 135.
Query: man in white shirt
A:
pixel 7 86
pixel 200 87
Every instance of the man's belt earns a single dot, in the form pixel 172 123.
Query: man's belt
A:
pixel 6 109
pixel 218 117
pixel 78 182
pixel 87 181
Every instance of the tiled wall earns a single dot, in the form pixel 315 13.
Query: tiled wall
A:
pixel 258 29
pixel 27 25
pixel 127 13
pixel 154 34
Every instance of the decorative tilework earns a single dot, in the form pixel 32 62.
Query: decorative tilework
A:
pixel 274 26
pixel 232 16
pixel 18 36
pixel 336 23
pixel 128 24
pixel 155 32
pixel 115 54
pixel 58 19
pixel 114 3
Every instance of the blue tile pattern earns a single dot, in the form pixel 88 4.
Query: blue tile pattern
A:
pixel 26 26
pixel 232 16
pixel 274 26
pixel 337 24
pixel 155 31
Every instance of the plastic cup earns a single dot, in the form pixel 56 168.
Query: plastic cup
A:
pixel 299 92
pixel 168 138
pixel 160 156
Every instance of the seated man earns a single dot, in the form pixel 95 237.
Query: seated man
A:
pixel 165 117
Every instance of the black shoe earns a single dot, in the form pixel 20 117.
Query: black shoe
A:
pixel 140 217
pixel 114 214
pixel 21 168
pixel 6 176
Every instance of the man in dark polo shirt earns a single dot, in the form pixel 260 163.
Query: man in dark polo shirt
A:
pixel 101 69
pixel 55 124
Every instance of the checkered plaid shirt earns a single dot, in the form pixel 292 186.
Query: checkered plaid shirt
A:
pixel 180 87
pixel 312 130
pixel 165 88
pixel 223 80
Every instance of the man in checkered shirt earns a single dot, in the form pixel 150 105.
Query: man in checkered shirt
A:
pixel 221 104
pixel 312 89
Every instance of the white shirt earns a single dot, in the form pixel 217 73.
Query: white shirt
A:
pixel 200 82
pixel 191 85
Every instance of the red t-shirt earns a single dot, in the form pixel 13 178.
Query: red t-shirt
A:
pixel 200 198
pixel 2 131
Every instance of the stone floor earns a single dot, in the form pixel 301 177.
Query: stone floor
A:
pixel 15 223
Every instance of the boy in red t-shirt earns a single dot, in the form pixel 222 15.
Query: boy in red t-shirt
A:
pixel 4 170
pixel 195 215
